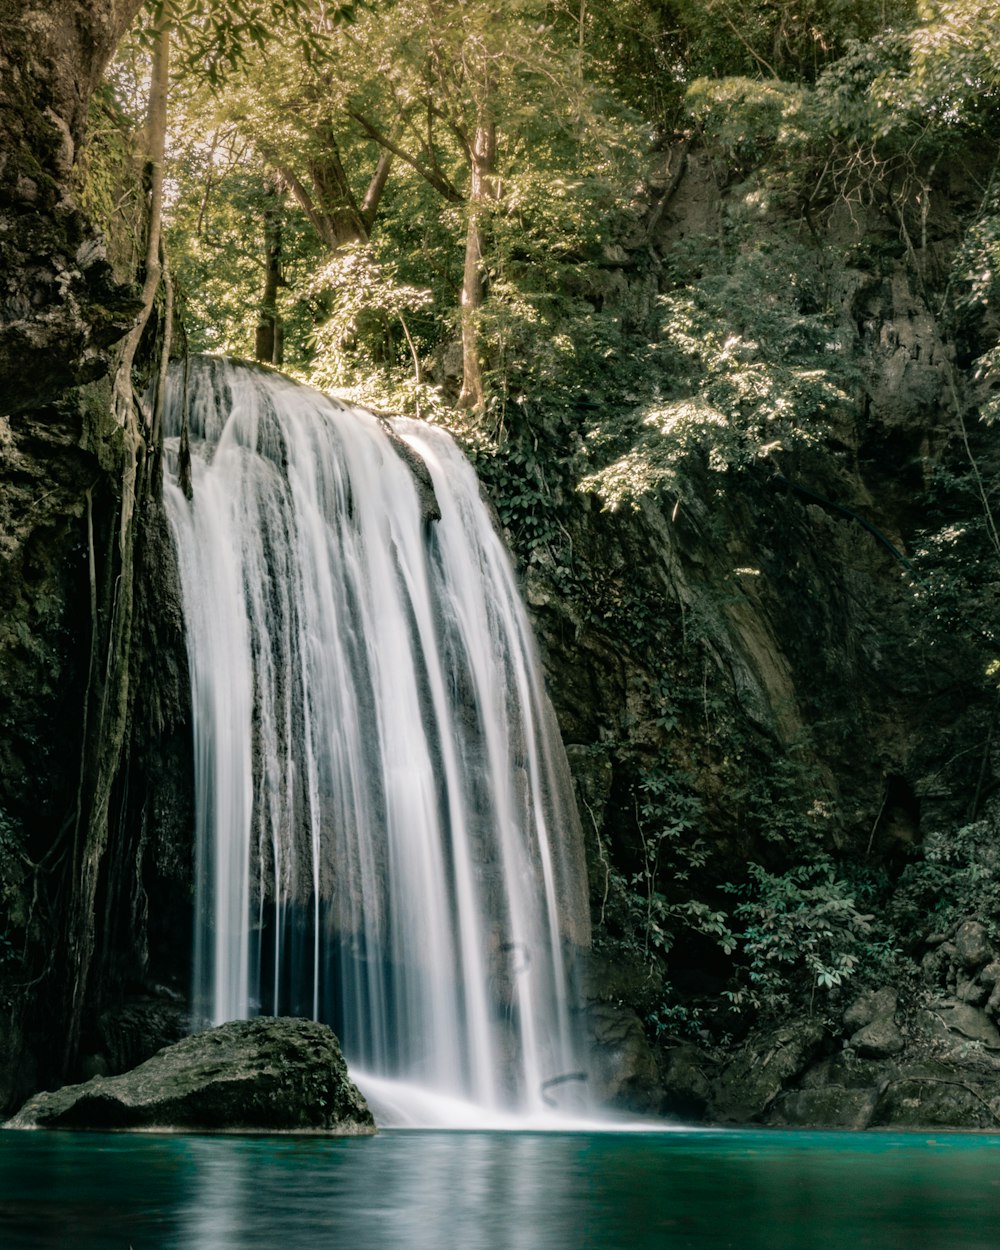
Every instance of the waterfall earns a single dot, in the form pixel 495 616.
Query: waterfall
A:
pixel 385 837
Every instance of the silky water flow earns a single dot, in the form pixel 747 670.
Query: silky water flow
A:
pixel 385 835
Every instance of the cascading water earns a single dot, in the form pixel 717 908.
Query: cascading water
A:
pixel 384 837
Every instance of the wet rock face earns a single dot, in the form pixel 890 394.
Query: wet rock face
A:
pixel 623 1071
pixel 972 944
pixel 907 1091
pixel 266 1075
pixel 962 970
pixel 935 1068
pixel 938 1066
pixel 65 581
pixel 129 1034
pixel 873 1017
pixel 935 1097
pixel 60 307
pixel 59 525
pixel 754 1078
pixel 43 606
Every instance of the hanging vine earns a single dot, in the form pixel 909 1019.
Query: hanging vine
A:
pixel 109 689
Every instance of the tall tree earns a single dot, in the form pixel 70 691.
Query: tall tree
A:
pixel 461 94
pixel 491 108
pixel 269 336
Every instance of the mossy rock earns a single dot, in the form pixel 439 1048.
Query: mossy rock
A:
pixel 830 1107
pixel 767 1064
pixel 269 1075
pixel 937 1101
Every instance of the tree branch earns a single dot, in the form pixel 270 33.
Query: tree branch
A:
pixel 444 186
pixel 298 188
pixel 373 196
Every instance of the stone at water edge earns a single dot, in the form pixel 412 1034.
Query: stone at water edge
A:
pixel 872 1017
pixel 266 1075
pixel 767 1064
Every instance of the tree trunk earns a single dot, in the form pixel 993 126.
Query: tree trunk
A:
pixel 482 196
pixel 156 136
pixel 269 336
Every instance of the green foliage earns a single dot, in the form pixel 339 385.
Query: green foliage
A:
pixel 668 815
pixel 215 237
pixel 741 119
pixel 757 357
pixel 955 79
pixel 111 194
pixel 217 39
pixel 654 51
pixel 366 324
pixel 786 803
pixel 651 906
pixel 306 100
pixel 515 475
pixel 972 294
pixel 799 931
pixel 875 122
pixel 956 586
pixel 957 874
pixel 898 104
pixel 545 329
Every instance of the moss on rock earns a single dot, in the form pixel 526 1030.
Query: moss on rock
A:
pixel 264 1075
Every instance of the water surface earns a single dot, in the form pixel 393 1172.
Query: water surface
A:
pixel 703 1190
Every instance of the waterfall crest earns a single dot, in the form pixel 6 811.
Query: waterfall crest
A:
pixel 385 840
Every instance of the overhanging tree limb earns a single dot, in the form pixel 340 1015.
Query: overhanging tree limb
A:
pixel 435 177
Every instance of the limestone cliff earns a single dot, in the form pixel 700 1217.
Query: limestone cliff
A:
pixel 768 666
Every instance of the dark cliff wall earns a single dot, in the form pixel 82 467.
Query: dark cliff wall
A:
pixel 60 307
pixel 93 692
pixel 772 680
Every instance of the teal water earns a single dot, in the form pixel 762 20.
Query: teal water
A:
pixel 702 1190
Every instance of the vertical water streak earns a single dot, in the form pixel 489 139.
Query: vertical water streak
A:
pixel 381 811
pixel 492 631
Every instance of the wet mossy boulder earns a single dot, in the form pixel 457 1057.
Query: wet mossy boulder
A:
pixel 915 1090
pixel 686 1082
pixel 938 1095
pixel 271 1075
pixel 831 1106
pixel 623 1073
pixel 767 1064
pixel 872 1017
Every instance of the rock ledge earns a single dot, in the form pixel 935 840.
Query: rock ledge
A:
pixel 269 1075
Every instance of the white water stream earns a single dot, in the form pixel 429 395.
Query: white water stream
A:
pixel 384 836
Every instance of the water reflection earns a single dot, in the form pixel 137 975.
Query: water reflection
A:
pixel 501 1191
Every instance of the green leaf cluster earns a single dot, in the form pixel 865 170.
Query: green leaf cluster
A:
pixel 799 931
pixel 754 356
pixel 957 875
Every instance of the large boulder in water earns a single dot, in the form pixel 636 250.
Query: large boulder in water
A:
pixel 267 1075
